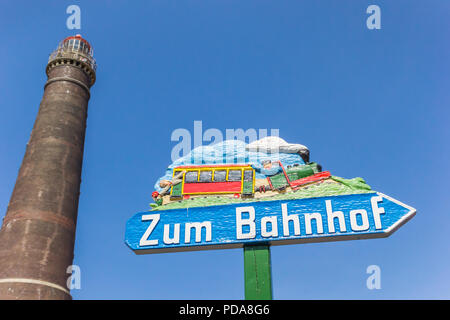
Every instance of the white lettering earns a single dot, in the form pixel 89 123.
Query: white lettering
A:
pixel 176 234
pixel 354 223
pixel 74 280
pixel 316 216
pixel 377 211
pixel 332 215
pixel 74 20
pixel 273 224
pixel 198 136
pixel 286 218
pixel 154 221
pixel 240 222
pixel 374 20
pixel 198 231
pixel 374 281
pixel 184 145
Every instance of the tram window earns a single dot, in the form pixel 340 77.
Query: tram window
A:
pixel 178 174
pixel 220 175
pixel 248 175
pixel 234 175
pixel 205 176
pixel 191 176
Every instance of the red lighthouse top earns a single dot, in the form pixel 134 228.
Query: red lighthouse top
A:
pixel 74 48
pixel 77 43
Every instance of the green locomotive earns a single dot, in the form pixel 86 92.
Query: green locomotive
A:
pixel 292 174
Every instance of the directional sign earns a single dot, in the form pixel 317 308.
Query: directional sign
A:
pixel 333 218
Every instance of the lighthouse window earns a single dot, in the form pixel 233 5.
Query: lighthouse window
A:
pixel 220 175
pixel 234 175
pixel 205 176
pixel 191 176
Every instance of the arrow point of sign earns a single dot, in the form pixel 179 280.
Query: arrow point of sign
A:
pixel 405 218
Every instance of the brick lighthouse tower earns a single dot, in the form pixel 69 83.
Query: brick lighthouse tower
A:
pixel 38 232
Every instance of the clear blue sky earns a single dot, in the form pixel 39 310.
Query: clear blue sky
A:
pixel 369 103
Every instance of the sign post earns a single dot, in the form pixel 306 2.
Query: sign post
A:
pixel 257 272
pixel 277 197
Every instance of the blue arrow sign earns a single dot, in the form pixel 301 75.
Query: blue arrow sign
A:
pixel 333 218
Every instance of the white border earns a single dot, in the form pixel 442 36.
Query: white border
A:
pixel 34 281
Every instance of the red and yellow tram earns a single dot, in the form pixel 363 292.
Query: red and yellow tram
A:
pixel 238 179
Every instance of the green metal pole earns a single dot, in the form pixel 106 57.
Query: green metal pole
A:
pixel 257 272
